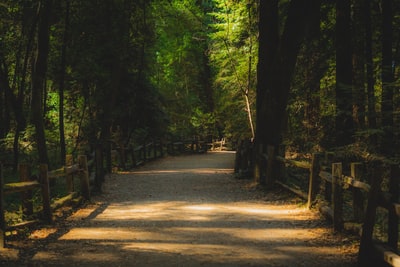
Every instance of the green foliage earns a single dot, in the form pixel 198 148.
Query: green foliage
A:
pixel 180 67
pixel 177 68
pixel 233 53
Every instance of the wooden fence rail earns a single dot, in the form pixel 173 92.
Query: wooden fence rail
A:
pixel 130 156
pixel 42 182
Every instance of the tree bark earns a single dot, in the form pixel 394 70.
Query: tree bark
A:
pixel 268 40
pixel 313 71
pixel 38 79
pixel 370 69
pixel 387 77
pixel 344 120
pixel 267 50
pixel 62 83
pixel 359 65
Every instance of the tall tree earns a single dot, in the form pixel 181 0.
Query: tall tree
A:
pixel 307 86
pixel 61 88
pixel 359 64
pixel 274 90
pixel 344 121
pixel 387 76
pixel 267 49
pixel 39 78
pixel 372 124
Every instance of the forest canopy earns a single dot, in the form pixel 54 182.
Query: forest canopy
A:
pixel 312 75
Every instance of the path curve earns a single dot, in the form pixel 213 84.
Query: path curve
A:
pixel 187 211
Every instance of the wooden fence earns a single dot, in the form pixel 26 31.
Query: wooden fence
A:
pixel 327 183
pixel 334 185
pixel 42 182
pixel 129 156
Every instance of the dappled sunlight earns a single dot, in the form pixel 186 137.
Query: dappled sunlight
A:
pixel 217 232
pixel 187 234
pixel 42 233
pixel 200 208
pixel 180 210
pixel 112 233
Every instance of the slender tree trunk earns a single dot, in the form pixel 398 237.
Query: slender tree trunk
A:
pixel 31 24
pixel 344 120
pixel 313 73
pixel 5 119
pixel 249 75
pixel 62 83
pixel 38 79
pixel 3 123
pixel 387 76
pixel 370 70
pixel 17 108
pixel 359 65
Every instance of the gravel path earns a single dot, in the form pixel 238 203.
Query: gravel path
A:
pixel 186 211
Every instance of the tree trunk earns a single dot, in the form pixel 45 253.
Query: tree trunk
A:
pixel 387 77
pixel 344 120
pixel 16 105
pixel 3 123
pixel 62 83
pixel 276 70
pixel 370 70
pixel 359 65
pixel 38 79
pixel 268 40
pixel 5 120
pixel 313 71
pixel 268 47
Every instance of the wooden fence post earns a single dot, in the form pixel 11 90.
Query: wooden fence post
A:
pixel 26 197
pixel 44 181
pixel 238 156
pixel 69 179
pixel 99 161
pixel 314 178
pixel 337 196
pixel 2 219
pixel 358 199
pixel 108 157
pixel 161 149
pixel 393 221
pixel 144 152
pixel 365 250
pixel 154 149
pixel 132 149
pixel 329 157
pixel 82 161
pixel 258 158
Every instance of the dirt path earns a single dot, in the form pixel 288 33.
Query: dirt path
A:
pixel 186 211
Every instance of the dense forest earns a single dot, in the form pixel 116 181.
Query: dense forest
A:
pixel 314 75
